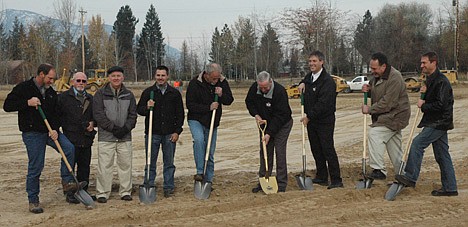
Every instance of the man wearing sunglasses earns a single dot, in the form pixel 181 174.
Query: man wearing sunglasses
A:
pixel 76 111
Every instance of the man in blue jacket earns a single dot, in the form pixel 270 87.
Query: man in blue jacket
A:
pixel 25 98
pixel 436 121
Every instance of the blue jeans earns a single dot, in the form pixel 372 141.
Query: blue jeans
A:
pixel 439 141
pixel 36 146
pixel 168 150
pixel 200 140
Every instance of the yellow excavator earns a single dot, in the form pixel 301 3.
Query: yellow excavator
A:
pixel 97 78
pixel 341 85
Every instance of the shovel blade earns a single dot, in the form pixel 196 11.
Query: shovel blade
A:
pixel 147 194
pixel 304 183
pixel 202 189
pixel 393 191
pixel 269 186
pixel 364 183
pixel 83 196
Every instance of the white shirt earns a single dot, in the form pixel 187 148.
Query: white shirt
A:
pixel 316 75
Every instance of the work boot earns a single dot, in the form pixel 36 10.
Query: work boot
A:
pixel 198 177
pixel 69 187
pixel 70 198
pixel 257 189
pixel 35 208
pixel 168 193
pixel 377 174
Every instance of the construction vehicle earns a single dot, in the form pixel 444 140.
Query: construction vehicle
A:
pixel 341 85
pixel 413 84
pixel 97 78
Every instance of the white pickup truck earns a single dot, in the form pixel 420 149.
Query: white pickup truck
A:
pixel 356 83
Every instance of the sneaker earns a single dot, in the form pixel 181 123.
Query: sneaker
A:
pixel 441 192
pixel 404 180
pixel 70 198
pixel 198 177
pixel 168 193
pixel 35 208
pixel 257 189
pixel 377 174
pixel 126 198
pixel 101 200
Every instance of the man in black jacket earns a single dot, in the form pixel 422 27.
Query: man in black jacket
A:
pixel 76 110
pixel 200 104
pixel 436 121
pixel 25 98
pixel 320 107
pixel 268 101
pixel 168 118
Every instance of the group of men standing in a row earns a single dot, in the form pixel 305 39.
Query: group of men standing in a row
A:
pixel 113 110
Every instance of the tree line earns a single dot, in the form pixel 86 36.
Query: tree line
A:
pixel 279 45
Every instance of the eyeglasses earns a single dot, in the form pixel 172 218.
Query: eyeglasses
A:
pixel 80 80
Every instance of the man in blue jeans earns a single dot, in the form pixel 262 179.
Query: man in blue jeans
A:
pixel 25 98
pixel 200 104
pixel 437 120
pixel 168 118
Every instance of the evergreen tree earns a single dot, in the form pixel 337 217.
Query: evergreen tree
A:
pixel 89 64
pixel 222 49
pixel 150 51
pixel 244 59
pixel 185 61
pixel 363 38
pixel 124 28
pixel 15 40
pixel 270 54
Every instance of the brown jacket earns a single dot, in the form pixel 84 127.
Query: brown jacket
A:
pixel 390 103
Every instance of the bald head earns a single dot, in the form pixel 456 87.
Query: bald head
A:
pixel 79 80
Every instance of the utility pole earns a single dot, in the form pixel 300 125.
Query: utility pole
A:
pixel 457 36
pixel 82 38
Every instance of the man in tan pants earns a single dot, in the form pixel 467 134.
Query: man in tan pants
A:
pixel 115 113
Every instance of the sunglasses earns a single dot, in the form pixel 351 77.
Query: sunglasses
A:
pixel 80 80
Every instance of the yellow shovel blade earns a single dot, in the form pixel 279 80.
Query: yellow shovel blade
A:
pixel 269 186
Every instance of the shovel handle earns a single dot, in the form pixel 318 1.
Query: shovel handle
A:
pixel 210 135
pixel 365 98
pixel 264 148
pixel 152 98
pixel 150 137
pixel 56 142
pixel 410 138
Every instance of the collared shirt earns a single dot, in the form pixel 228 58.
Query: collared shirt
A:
pixel 79 95
pixel 269 94
pixel 41 88
pixel 315 76
pixel 162 88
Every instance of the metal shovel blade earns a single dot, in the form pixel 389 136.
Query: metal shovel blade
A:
pixel 147 194
pixel 202 189
pixel 364 183
pixel 269 186
pixel 393 191
pixel 82 196
pixel 304 182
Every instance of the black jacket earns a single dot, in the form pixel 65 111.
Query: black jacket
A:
pixel 438 108
pixel 200 95
pixel 75 118
pixel 320 98
pixel 275 108
pixel 29 119
pixel 168 112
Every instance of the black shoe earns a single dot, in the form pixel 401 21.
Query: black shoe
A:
pixel 168 193
pixel 257 189
pixel 441 192
pixel 335 185
pixel 101 200
pixel 281 189
pixel 377 174
pixel 35 208
pixel 71 199
pixel 126 198
pixel 404 180
pixel 320 182
pixel 198 177
pixel 93 197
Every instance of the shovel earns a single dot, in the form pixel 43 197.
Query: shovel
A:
pixel 147 192
pixel 202 189
pixel 80 194
pixel 303 181
pixel 366 182
pixel 268 183
pixel 396 187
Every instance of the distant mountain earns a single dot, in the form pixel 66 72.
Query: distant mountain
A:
pixel 27 18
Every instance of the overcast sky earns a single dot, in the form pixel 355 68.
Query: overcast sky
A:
pixel 196 19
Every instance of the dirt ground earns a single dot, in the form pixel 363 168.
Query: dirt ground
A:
pixel 232 203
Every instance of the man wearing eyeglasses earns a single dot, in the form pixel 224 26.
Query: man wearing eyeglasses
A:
pixel 76 111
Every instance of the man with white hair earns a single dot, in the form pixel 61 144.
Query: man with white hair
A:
pixel 76 111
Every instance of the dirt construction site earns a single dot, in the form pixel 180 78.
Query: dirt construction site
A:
pixel 236 164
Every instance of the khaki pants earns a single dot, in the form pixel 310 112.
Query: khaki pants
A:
pixel 380 139
pixel 106 153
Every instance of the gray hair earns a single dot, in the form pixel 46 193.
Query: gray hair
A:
pixel 79 73
pixel 213 67
pixel 263 76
